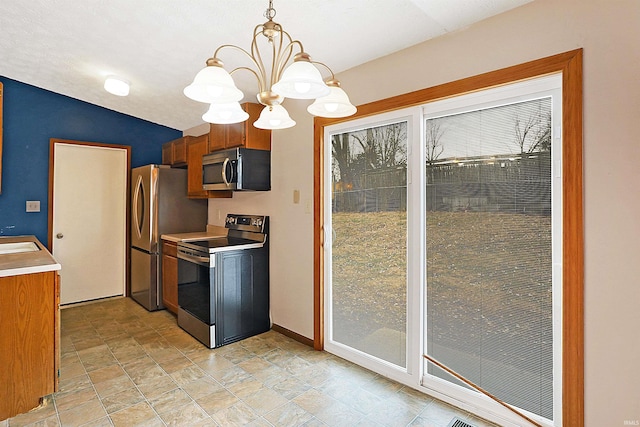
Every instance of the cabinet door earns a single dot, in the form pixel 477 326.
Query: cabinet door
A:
pixel 167 153
pixel 236 134
pixel 196 148
pixel 180 152
pixel 242 134
pixel 217 137
pixel 27 341
pixel 242 294
pixel 170 277
pixel 259 139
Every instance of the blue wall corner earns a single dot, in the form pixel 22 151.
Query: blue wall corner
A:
pixel 31 117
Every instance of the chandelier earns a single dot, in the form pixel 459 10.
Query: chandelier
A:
pixel 301 79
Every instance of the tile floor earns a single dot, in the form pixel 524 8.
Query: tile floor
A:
pixel 124 366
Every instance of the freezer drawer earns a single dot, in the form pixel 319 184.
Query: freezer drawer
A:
pixel 145 279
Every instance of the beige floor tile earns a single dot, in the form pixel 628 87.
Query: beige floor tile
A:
pixel 189 415
pixel 265 400
pixel 202 387
pixel 290 387
pixel 122 400
pixel 107 373
pixel 70 399
pixel 170 400
pixel 83 413
pixel 157 386
pixel 136 415
pixel 392 414
pixel 217 401
pixel 172 365
pixel 288 415
pixel 187 375
pixel 245 387
pixel 113 386
pixel 71 370
pixel 238 414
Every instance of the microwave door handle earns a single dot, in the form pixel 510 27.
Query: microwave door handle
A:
pixel 224 172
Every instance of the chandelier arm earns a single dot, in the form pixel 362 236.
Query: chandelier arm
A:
pixel 247 69
pixel 284 54
pixel 333 76
pixel 261 79
pixel 257 57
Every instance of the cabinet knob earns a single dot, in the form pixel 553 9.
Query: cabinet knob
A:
pixel 59 236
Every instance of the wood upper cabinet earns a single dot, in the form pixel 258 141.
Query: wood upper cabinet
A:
pixel 170 276
pixel 198 146
pixel 174 153
pixel 243 134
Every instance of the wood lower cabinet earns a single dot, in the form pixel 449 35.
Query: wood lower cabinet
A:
pixel 197 147
pixel 170 276
pixel 243 134
pixel 29 342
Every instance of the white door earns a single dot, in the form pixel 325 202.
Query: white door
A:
pixel 89 220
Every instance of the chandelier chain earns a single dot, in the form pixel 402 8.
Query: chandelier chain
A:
pixel 270 13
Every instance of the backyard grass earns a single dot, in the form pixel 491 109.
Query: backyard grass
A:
pixel 489 277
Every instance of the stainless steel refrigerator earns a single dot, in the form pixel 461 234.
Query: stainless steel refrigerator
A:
pixel 159 205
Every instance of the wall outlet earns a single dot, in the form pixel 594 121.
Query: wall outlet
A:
pixel 33 205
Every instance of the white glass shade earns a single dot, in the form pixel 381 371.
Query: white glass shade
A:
pixel 213 85
pixel 116 86
pixel 301 80
pixel 274 117
pixel 223 114
pixel 336 104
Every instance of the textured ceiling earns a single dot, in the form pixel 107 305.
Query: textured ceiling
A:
pixel 69 47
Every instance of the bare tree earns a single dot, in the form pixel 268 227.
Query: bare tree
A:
pixel 342 155
pixel 532 128
pixel 384 146
pixel 433 134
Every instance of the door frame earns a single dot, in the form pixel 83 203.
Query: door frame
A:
pixel 127 148
pixel 570 65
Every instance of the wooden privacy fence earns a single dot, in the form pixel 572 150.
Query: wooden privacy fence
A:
pixel 520 184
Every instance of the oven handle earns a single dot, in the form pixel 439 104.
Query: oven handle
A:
pixel 201 260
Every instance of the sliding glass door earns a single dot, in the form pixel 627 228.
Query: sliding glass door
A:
pixel 493 209
pixel 368 315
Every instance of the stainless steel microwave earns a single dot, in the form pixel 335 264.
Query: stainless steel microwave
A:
pixel 237 169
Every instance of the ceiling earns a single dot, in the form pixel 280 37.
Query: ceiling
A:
pixel 70 46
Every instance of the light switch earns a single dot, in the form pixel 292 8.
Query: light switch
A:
pixel 33 205
pixel 296 196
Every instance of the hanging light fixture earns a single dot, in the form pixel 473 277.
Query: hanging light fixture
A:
pixel 299 79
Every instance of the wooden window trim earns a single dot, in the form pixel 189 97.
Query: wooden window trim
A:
pixel 570 65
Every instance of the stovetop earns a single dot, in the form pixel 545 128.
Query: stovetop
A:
pixel 245 232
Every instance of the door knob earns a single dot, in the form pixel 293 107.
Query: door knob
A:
pixel 59 236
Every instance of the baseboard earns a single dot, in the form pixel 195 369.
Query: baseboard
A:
pixel 293 335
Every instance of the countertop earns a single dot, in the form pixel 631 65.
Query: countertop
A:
pixel 212 232
pixel 26 262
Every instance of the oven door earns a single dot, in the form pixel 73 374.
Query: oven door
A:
pixel 196 295
pixel 220 171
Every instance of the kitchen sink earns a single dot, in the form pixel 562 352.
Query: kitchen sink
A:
pixel 13 248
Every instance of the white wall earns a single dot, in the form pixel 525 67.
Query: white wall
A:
pixel 609 32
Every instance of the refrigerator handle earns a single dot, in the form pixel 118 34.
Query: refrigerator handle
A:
pixel 138 211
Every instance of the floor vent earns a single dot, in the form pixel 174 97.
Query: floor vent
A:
pixel 457 422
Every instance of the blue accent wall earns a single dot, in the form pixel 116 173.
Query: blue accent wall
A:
pixel 31 117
